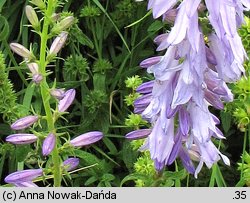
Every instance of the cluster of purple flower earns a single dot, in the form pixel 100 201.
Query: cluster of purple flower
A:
pixel 190 76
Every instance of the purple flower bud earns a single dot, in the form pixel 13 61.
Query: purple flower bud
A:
pixel 33 67
pixel 215 84
pixel 21 50
pixel 71 163
pixel 213 99
pixel 160 38
pixel 176 147
pixel 24 122
pixel 31 15
pixel 23 176
pixel 170 15
pixel 139 110
pixel 171 112
pixel 21 138
pixel 210 57
pixel 143 101
pixel 186 161
pixel 138 134
pixel 48 144
pixel 26 184
pixel 67 100
pixel 37 78
pixel 58 43
pixel 57 93
pixel 145 87
pixel 150 61
pixel 86 139
pixel 184 121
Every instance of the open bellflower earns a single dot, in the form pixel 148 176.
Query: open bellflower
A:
pixel 188 78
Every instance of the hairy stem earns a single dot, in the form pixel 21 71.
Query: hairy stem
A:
pixel 45 93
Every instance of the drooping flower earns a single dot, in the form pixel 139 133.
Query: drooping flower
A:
pixel 86 139
pixel 23 176
pixel 24 122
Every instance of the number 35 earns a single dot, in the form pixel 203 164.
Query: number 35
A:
pixel 240 195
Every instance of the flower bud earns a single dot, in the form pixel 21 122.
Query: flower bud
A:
pixel 58 43
pixel 184 121
pixel 138 134
pixel 86 139
pixel 160 38
pixel 145 87
pixel 71 163
pixel 26 184
pixel 21 139
pixel 170 15
pixel 24 122
pixel 32 17
pixel 213 99
pixel 21 50
pixel 39 3
pixel 67 100
pixel 48 144
pixel 57 93
pixel 37 78
pixel 143 101
pixel 150 61
pixel 33 67
pixel 23 176
pixel 66 23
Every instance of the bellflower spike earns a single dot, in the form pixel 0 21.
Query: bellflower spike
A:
pixel 86 139
pixel 67 100
pixel 20 139
pixel 23 176
pixel 71 164
pixel 24 122
pixel 48 144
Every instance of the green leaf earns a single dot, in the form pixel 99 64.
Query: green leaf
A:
pixel 4 27
pixel 28 96
pixel 133 177
pixel 91 180
pixel 81 37
pixel 21 152
pixel 108 177
pixel 155 26
pixel 110 145
pixel 225 120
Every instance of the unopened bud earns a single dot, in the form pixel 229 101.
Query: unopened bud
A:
pixel 138 134
pixel 25 184
pixel 20 139
pixel 37 78
pixel 24 122
pixel 32 16
pixel 86 139
pixel 57 93
pixel 21 50
pixel 58 43
pixel 23 176
pixel 39 3
pixel 33 67
pixel 48 144
pixel 71 163
pixel 67 100
pixel 66 22
pixel 170 15
pixel 150 61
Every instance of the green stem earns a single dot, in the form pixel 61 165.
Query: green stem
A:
pixel 45 93
pixel 243 151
